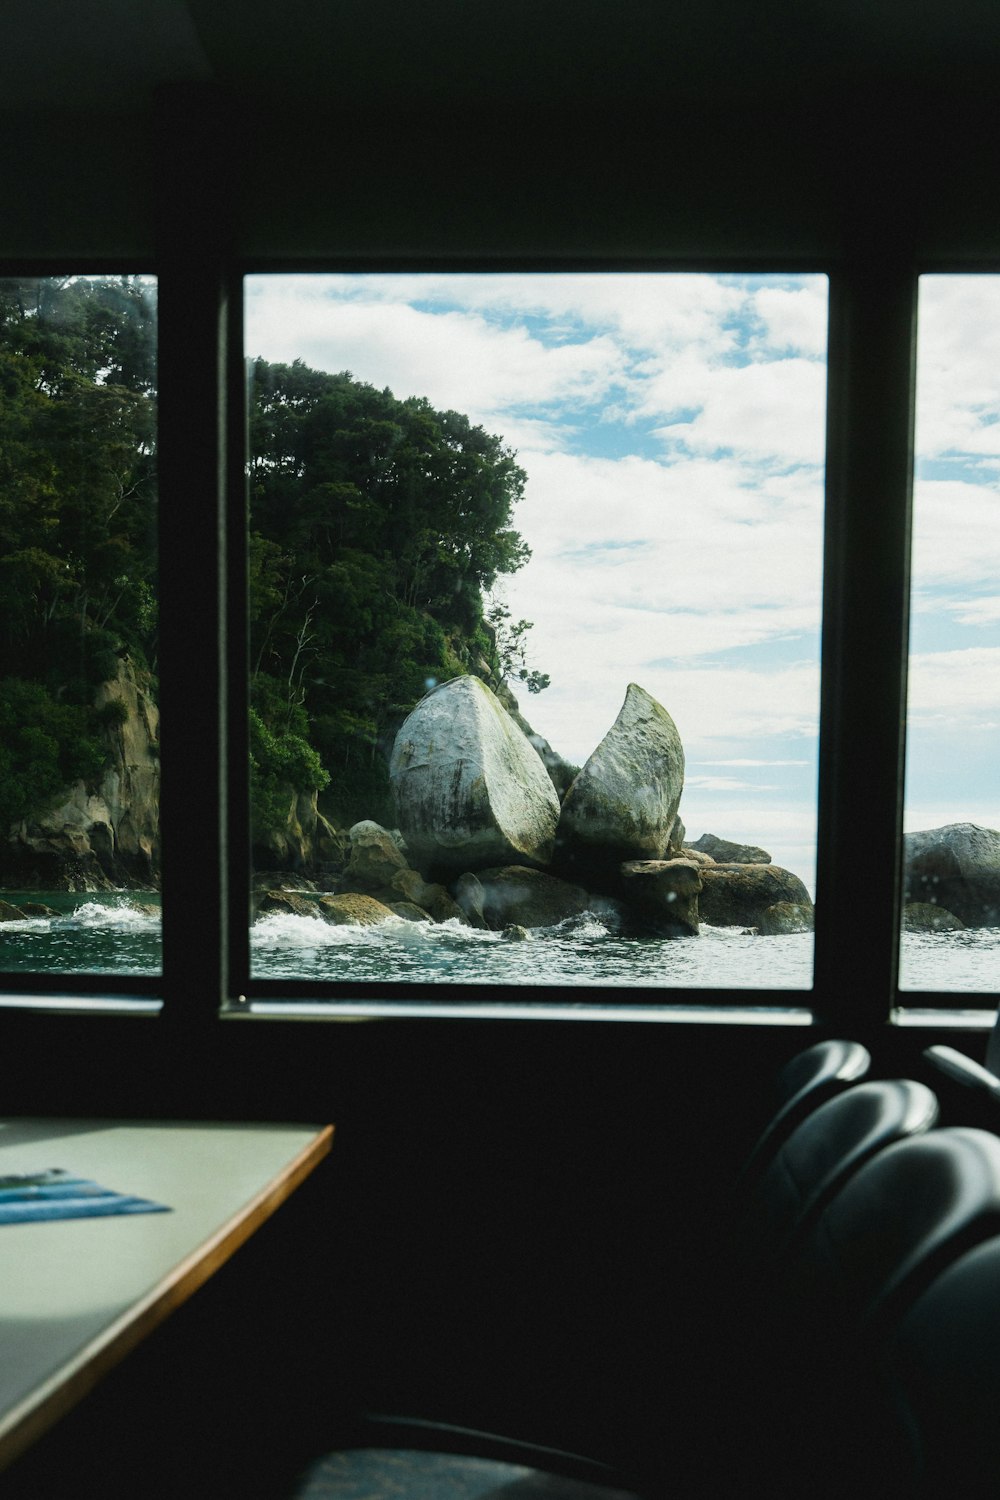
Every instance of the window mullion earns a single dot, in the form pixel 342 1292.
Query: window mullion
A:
pixel 866 603
pixel 194 455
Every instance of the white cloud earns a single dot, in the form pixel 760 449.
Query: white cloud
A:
pixel 982 611
pixel 727 784
pixel 958 374
pixel 955 687
pixel 456 359
pixel 956 533
pixel 771 410
pixel 744 761
pixel 794 320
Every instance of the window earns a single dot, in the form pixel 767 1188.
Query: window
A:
pixel 79 763
pixel 952 846
pixel 531 491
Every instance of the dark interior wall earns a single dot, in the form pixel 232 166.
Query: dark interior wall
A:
pixel 859 175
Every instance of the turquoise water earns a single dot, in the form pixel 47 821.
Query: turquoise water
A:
pixel 113 934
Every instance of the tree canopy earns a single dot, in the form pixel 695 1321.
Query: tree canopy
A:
pixel 377 525
pixel 77 520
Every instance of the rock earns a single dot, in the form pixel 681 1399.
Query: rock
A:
pixel 785 917
pixel 726 853
pixel 411 886
pixel 923 916
pixel 286 903
pixel 695 856
pixel 469 895
pixel 512 933
pixel 408 911
pixel 353 910
pixel 956 867
pixel 738 895
pixel 304 840
pixel 39 909
pixel 662 896
pixel 623 805
pixel 528 898
pixel 10 913
pixel 375 858
pixel 105 836
pixel 470 791
pixel 281 880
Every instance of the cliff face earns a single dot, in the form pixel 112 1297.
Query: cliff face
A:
pixel 103 837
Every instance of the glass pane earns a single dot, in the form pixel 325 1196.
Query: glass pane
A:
pixel 951 937
pixel 495 519
pixel 79 744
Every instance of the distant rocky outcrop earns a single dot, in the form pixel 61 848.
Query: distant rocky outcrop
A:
pixel 623 804
pixel 469 788
pixel 726 853
pixel 106 836
pixel 956 867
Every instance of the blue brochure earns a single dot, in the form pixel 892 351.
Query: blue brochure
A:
pixel 57 1194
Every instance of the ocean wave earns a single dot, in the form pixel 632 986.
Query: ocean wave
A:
pixel 118 914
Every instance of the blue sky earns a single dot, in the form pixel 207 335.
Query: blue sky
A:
pixel 671 427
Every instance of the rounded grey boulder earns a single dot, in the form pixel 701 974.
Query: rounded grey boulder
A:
pixel 470 790
pixel 956 867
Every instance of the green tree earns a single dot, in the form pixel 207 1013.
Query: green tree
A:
pixel 45 747
pixel 377 526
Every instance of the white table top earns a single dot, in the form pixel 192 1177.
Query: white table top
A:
pixel 77 1294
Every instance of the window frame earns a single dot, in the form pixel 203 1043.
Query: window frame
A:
pixel 203 554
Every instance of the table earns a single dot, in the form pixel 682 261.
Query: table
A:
pixel 77 1294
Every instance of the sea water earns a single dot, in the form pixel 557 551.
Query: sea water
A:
pixel 120 934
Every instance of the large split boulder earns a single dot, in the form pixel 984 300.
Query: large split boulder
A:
pixel 623 804
pixel 739 895
pixel 956 867
pixel 470 790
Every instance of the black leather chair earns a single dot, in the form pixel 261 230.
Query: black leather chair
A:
pixel 823 1152
pixel 903 1217
pixel 944 1365
pixel 412 1471
pixel 825 1425
pixel 807 1081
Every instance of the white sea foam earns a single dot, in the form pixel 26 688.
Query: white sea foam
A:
pixel 119 914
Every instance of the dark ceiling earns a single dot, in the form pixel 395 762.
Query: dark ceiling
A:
pixel 396 56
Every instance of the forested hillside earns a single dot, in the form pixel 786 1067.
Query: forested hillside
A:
pixel 376 527
pixel 77 522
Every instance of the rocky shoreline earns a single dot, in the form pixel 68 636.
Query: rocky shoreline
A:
pixel 495 832
pixel 485 840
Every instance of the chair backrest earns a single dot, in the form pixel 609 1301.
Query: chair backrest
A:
pixel 944 1364
pixel 900 1219
pixel 824 1151
pixel 807 1081
pixel 969 1093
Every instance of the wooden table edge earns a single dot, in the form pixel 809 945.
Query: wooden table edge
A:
pixel 26 1422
